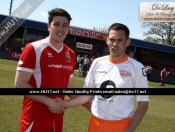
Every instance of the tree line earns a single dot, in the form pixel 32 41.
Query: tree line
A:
pixel 157 32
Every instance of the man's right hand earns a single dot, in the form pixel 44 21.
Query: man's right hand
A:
pixel 56 106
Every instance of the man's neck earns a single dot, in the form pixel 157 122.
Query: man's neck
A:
pixel 55 43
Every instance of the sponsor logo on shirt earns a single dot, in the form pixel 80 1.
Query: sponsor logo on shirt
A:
pixel 100 72
pixel 107 84
pixel 60 66
pixel 124 73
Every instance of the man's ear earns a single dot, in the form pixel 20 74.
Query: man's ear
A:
pixel 107 40
pixel 48 26
pixel 128 41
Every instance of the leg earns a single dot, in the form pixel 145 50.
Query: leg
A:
pixel 163 80
pixel 80 70
pixel 85 70
pixel 148 77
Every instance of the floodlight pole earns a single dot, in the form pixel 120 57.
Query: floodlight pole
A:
pixel 10 10
pixel 11 3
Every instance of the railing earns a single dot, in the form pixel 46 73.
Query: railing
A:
pixel 4 54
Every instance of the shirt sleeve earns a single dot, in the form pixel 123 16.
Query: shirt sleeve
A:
pixel 73 64
pixel 90 78
pixel 27 60
pixel 140 81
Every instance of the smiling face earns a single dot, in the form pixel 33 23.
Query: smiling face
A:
pixel 117 43
pixel 58 29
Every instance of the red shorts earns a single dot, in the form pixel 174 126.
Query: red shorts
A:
pixel 99 125
pixel 162 78
pixel 39 126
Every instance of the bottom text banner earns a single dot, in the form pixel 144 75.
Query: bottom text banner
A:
pixel 87 91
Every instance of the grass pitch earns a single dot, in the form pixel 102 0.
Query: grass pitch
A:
pixel 159 118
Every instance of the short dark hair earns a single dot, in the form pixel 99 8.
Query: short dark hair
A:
pixel 119 26
pixel 58 12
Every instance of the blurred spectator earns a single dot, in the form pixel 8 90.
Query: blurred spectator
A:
pixel 163 75
pixel 91 60
pixel 148 72
pixel 171 72
pixel 78 61
pixel 81 65
pixel 86 65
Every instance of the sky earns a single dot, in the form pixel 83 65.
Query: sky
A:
pixel 90 13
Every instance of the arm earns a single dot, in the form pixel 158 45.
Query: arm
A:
pixel 71 85
pixel 70 82
pixel 21 81
pixel 78 100
pixel 161 73
pixel 138 116
pixel 88 106
pixel 90 83
pixel 140 81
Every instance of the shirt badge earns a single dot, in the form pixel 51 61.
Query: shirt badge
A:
pixel 67 56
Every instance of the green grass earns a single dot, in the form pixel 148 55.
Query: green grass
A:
pixel 155 85
pixel 159 118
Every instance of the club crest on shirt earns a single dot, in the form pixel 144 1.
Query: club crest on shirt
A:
pixel 67 56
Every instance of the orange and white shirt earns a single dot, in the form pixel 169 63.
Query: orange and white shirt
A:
pixel 107 73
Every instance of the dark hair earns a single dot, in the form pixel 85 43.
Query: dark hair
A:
pixel 58 12
pixel 119 26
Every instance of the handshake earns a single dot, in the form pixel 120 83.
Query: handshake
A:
pixel 57 105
